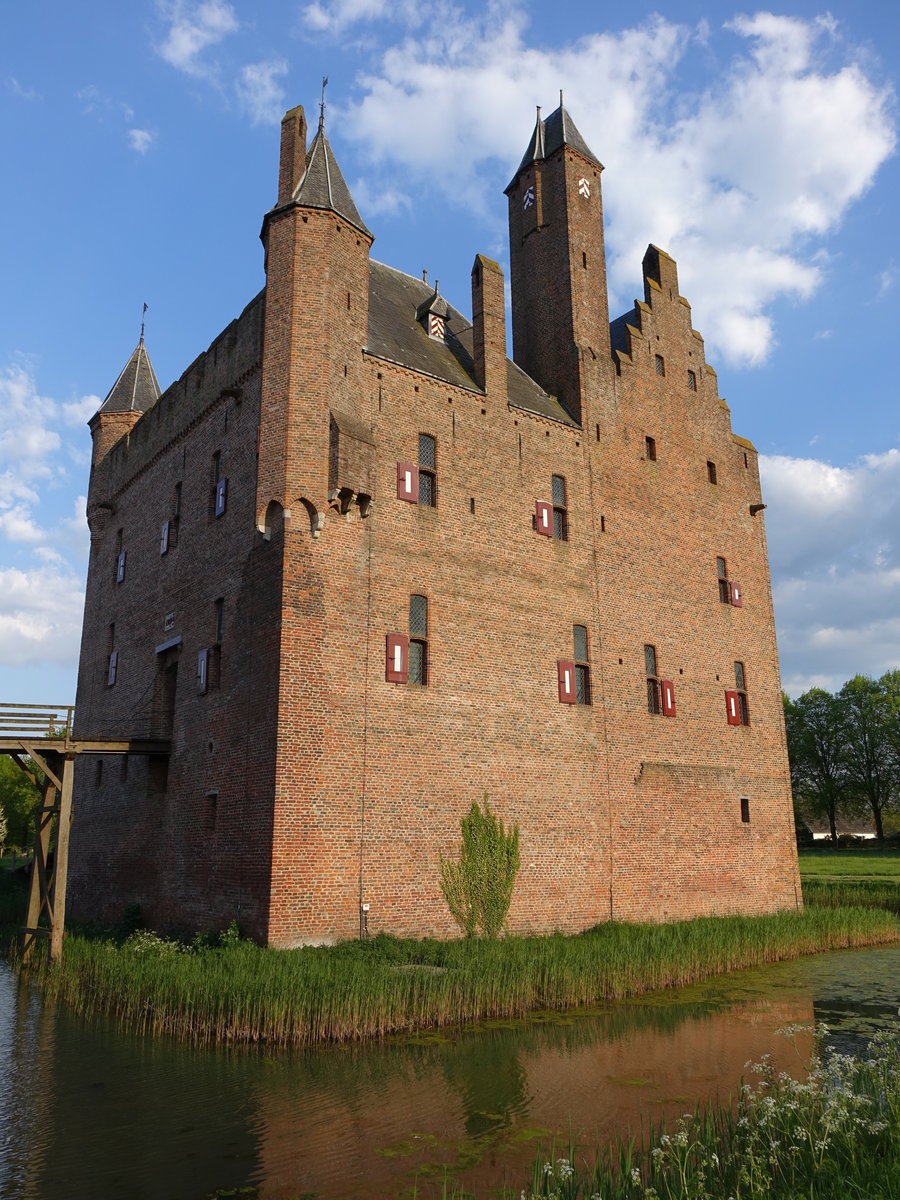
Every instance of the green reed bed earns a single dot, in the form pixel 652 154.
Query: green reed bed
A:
pixel 240 992
pixel 840 893
pixel 832 1136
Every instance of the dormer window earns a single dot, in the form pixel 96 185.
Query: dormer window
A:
pixel 436 326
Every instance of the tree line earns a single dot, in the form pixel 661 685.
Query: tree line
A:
pixel 844 751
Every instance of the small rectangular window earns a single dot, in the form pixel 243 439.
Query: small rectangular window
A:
pixel 650 449
pixel 660 365
pixel 120 566
pixel 724 585
pixel 582 665
pixel 711 471
pixel 560 511
pixel 112 669
pixel 418 639
pixel 202 664
pixel 164 539
pixel 740 687
pixel 745 810
pixel 220 496
pixel 654 701
pixel 427 470
pixel 692 381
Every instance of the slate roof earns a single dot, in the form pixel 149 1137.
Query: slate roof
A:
pixel 551 135
pixel 395 334
pixel 137 388
pixel 322 184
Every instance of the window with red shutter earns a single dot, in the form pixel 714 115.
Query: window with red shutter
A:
pixel 396 658
pixel 221 488
pixel 543 518
pixel 668 697
pixel 737 594
pixel 565 675
pixel 732 708
pixel 408 482
pixel 112 669
pixel 202 663
pixel 164 539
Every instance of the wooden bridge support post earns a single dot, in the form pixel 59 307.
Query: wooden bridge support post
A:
pixel 39 891
pixel 61 863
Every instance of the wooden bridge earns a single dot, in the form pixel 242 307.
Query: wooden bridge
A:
pixel 40 735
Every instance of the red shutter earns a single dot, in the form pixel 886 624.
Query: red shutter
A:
pixel 120 567
pixel 543 517
pixel 220 496
pixel 164 539
pixel 113 668
pixel 408 482
pixel 737 595
pixel 202 663
pixel 396 668
pixel 668 697
pixel 732 708
pixel 565 677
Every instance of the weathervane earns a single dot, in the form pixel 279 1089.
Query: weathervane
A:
pixel 143 315
pixel 322 104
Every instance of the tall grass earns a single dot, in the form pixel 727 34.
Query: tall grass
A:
pixel 839 893
pixel 240 992
pixel 833 1136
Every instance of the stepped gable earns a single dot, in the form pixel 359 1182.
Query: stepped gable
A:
pixel 396 301
pixel 137 388
pixel 322 184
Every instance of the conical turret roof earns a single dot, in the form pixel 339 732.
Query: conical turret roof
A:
pixel 322 184
pixel 551 135
pixel 137 388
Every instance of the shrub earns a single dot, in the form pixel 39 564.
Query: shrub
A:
pixel 478 888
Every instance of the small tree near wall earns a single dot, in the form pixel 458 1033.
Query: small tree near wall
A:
pixel 478 888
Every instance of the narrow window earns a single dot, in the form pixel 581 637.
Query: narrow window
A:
pixel 560 512
pixel 692 381
pixel 740 686
pixel 650 449
pixel 584 259
pixel 418 639
pixel 472 504
pixel 120 556
pixel 745 460
pixel 724 585
pixel 745 810
pixel 711 471
pixel 654 704
pixel 427 470
pixel 660 365
pixel 582 665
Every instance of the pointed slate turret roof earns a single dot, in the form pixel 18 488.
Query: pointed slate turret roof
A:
pixel 137 388
pixel 323 185
pixel 551 135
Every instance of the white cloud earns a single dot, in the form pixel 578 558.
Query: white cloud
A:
pixel 260 93
pixel 141 139
pixel 193 28
pixel 96 103
pixel 740 185
pixel 40 616
pixel 78 412
pixel 20 90
pixel 338 15
pixel 834 551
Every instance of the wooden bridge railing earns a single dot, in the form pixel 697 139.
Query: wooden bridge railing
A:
pixel 36 721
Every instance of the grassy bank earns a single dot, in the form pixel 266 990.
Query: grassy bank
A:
pixel 835 878
pixel 238 991
pixel 833 1136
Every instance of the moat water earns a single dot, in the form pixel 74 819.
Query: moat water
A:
pixel 89 1111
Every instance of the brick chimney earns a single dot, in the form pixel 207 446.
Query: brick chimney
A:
pixel 293 153
pixel 489 326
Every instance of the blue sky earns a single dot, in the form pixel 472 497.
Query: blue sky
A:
pixel 758 146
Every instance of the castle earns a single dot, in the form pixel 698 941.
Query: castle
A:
pixel 357 568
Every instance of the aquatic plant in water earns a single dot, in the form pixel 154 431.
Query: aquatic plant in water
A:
pixel 835 1133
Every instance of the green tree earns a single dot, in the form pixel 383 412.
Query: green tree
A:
pixel 873 754
pixel 478 888
pixel 817 748
pixel 18 797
